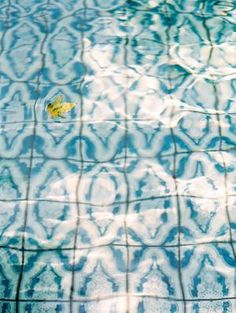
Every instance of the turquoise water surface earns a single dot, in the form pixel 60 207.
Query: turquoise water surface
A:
pixel 128 203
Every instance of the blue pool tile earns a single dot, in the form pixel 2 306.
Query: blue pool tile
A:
pixel 16 139
pixel 211 277
pixel 18 102
pixel 11 223
pixel 53 140
pixel 14 179
pixel 196 176
pixel 50 222
pixel 147 179
pixel 101 268
pixel 103 184
pixel 102 141
pixel 148 138
pixel 195 130
pixel 9 273
pixel 62 57
pixel 101 224
pixel 204 220
pixel 57 183
pixel 226 252
pixel 21 62
pixel 39 270
pixel 144 216
pixel 152 272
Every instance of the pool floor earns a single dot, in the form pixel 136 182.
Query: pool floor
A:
pixel 126 203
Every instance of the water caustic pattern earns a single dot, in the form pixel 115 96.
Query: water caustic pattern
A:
pixel 128 204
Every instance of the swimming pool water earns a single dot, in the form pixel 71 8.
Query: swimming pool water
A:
pixel 128 204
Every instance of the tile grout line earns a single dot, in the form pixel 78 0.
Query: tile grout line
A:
pixel 6 27
pixel 18 286
pixel 174 173
pixel 72 287
pixel 218 117
pixel 49 158
pixel 111 245
pixel 126 179
pixel 97 299
pixel 119 202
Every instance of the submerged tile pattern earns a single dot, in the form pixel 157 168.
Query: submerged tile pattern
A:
pixel 129 204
